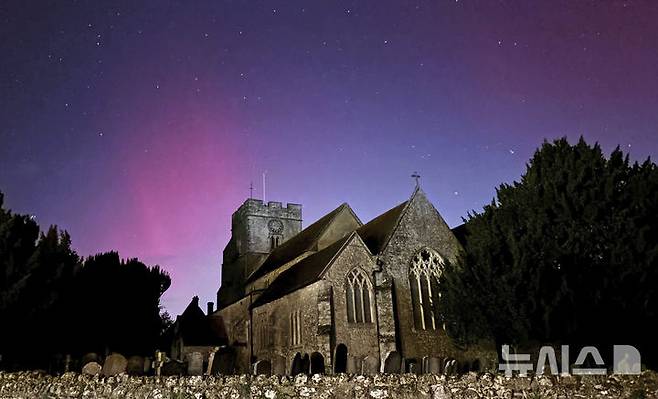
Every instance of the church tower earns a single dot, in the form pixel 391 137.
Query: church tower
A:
pixel 256 229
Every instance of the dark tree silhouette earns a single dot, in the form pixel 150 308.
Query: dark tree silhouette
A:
pixel 119 301
pixel 567 255
pixel 52 303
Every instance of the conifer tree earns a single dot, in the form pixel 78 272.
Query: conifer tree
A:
pixel 568 254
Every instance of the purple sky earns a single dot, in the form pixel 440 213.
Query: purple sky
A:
pixel 138 126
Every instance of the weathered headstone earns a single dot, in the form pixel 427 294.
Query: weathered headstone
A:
pixel 263 367
pixel 450 367
pixel 370 365
pixel 434 365
pixel 135 365
pixel 352 365
pixel 159 362
pixel 224 362
pixel 174 367
pixel 114 364
pixel 194 363
pixel 211 360
pixel 147 365
pixel 393 362
pixel 67 363
pixel 279 365
pixel 92 368
pixel 413 368
pixel 90 357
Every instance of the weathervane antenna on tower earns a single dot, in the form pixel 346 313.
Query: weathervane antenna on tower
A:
pixel 251 190
pixel 416 177
pixel 264 185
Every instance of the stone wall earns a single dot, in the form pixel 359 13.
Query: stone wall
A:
pixel 234 319
pixel 275 319
pixel 406 386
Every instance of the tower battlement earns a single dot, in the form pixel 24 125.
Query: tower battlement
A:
pixel 256 207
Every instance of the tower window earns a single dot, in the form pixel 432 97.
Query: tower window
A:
pixel 275 241
pixel 359 297
pixel 424 275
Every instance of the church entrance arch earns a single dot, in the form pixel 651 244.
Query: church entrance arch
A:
pixel 317 363
pixel 306 363
pixel 296 366
pixel 340 359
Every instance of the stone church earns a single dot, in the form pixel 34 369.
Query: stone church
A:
pixel 338 295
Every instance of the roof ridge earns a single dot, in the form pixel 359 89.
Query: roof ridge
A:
pixel 407 203
pixel 293 270
pixel 335 212
pixel 347 239
pixel 388 228
pixel 324 222
pixel 389 235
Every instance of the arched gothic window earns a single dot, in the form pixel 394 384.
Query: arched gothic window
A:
pixel 359 297
pixel 426 267
pixel 296 328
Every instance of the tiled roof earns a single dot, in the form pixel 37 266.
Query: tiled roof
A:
pixel 306 240
pixel 301 274
pixel 375 233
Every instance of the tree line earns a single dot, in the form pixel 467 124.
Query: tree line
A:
pixel 54 303
pixel 566 255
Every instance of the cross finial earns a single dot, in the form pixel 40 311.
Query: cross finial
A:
pixel 416 177
pixel 251 190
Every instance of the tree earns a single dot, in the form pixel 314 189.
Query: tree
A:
pixel 569 254
pixel 120 302
pixel 53 303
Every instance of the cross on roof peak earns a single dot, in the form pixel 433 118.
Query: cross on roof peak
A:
pixel 416 177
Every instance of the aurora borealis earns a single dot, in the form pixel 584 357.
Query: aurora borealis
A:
pixel 139 126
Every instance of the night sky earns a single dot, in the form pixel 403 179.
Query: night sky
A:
pixel 139 125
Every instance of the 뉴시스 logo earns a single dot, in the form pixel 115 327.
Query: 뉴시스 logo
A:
pixel 626 360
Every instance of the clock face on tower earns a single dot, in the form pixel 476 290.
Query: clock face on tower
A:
pixel 275 226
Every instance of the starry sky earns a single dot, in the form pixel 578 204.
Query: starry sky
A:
pixel 138 126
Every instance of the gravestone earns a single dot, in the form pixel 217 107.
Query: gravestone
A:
pixel 67 363
pixel 114 364
pixel 263 367
pixel 147 365
pixel 211 359
pixel 90 357
pixel 224 362
pixel 434 365
pixel 92 368
pixel 450 367
pixel 173 367
pixel 194 363
pixel 352 365
pixel 413 368
pixel 370 365
pixel 159 362
pixel 279 365
pixel 393 363
pixel 135 365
